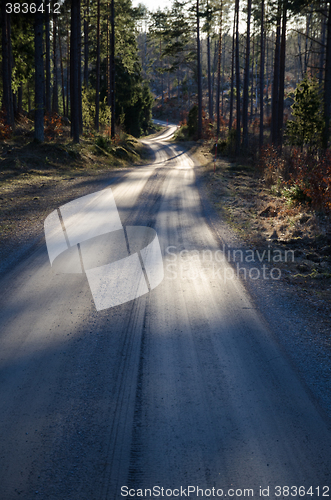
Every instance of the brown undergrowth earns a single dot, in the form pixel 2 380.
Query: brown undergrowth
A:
pixel 263 217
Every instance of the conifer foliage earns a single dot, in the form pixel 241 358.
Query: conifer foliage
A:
pixel 55 55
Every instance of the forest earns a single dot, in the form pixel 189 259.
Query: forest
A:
pixel 252 77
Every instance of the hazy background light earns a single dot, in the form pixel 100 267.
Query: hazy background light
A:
pixel 153 4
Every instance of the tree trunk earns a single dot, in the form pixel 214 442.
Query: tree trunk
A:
pixel 232 71
pixel 282 76
pixel 199 74
pixel 48 104
pixel 261 76
pixel 322 53
pixel 246 77
pixel 68 72
pixel 6 67
pixel 97 85
pixel 75 85
pixel 275 86
pixel 55 103
pixel 62 77
pixel 210 96
pixel 223 69
pixel 20 99
pixel 161 64
pixel 39 75
pixel 86 46
pixel 219 62
pixel 327 84
pixel 112 68
pixel 252 80
pixel 237 79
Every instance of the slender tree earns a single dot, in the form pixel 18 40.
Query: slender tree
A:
pixel 86 41
pixel 97 86
pixel 238 130
pixel 232 69
pixel 219 62
pixel 48 104
pixel 62 74
pixel 262 51
pixel 75 62
pixel 327 83
pixel 39 75
pixel 112 68
pixel 246 76
pixel 275 84
pixel 210 97
pixel 282 75
pixel 199 72
pixel 55 102
pixel 7 101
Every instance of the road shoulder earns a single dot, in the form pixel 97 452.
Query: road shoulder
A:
pixel 301 327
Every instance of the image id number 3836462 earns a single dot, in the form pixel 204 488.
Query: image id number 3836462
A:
pixel 294 491
pixel 32 8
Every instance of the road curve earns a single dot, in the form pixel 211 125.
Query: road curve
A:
pixel 182 387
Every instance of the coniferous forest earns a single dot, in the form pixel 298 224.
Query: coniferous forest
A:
pixel 255 77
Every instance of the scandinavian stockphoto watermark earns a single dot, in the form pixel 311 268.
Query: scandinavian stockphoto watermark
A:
pixel 226 263
pixel 86 236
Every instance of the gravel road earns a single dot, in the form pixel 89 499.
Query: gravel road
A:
pixel 183 387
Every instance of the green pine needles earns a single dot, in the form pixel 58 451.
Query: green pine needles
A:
pixel 306 128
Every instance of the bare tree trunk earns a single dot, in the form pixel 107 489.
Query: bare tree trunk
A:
pixel 75 58
pixel 219 61
pixel 275 87
pixel 261 76
pixel 267 73
pixel 68 72
pixel 327 84
pixel 112 68
pixel 97 85
pixel 55 103
pixel 199 74
pixel 223 69
pixel 20 99
pixel 282 76
pixel 39 75
pixel 210 96
pixel 162 77
pixel 322 47
pixel 86 46
pixel 48 104
pixel 29 96
pixel 307 52
pixel 62 77
pixel 252 80
pixel 7 102
pixel 237 79
pixel 246 77
pixel 232 71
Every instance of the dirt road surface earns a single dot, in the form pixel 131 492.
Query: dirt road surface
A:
pixel 182 387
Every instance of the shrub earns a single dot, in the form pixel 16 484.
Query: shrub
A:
pixel 307 126
pixel 53 125
pixel 5 129
pixel 182 133
pixel 272 166
pixel 313 176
